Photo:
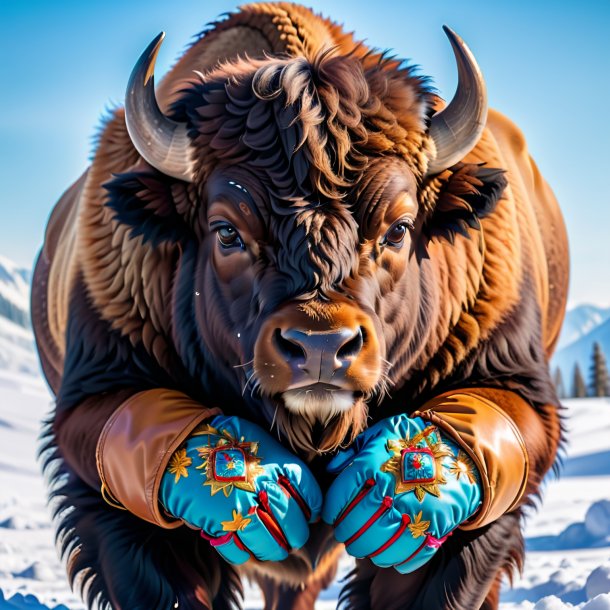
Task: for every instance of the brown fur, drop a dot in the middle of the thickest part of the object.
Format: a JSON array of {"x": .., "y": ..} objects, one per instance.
[{"x": 329, "y": 139}]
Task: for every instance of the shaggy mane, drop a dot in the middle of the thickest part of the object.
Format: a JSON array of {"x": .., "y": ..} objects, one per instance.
[{"x": 311, "y": 126}]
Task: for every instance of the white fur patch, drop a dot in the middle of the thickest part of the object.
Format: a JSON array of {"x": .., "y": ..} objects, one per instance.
[{"x": 320, "y": 406}]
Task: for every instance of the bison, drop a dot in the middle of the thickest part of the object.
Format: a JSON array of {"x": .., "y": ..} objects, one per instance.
[{"x": 294, "y": 252}]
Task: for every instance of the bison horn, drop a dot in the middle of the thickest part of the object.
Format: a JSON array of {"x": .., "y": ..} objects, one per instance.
[
  {"x": 457, "y": 128},
  {"x": 162, "y": 142}
]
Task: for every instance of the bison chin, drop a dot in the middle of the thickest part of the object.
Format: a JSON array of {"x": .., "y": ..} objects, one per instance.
[{"x": 321, "y": 424}]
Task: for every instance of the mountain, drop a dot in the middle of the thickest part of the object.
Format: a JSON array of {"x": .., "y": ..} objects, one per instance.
[
  {"x": 17, "y": 353},
  {"x": 14, "y": 293},
  {"x": 580, "y": 321},
  {"x": 580, "y": 352}
]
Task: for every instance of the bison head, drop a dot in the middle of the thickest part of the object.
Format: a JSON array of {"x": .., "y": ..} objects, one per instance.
[{"x": 325, "y": 252}]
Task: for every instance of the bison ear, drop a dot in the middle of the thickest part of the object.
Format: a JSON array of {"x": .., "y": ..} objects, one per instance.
[
  {"x": 150, "y": 202},
  {"x": 470, "y": 192}
]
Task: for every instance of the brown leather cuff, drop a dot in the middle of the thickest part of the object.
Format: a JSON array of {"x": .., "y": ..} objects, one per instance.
[
  {"x": 493, "y": 442},
  {"x": 137, "y": 443}
]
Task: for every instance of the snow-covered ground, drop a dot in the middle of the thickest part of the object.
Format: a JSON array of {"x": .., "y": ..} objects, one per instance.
[
  {"x": 28, "y": 560},
  {"x": 568, "y": 538},
  {"x": 568, "y": 563}
]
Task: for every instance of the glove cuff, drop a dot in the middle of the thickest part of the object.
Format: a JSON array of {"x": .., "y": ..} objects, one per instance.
[
  {"x": 136, "y": 444},
  {"x": 492, "y": 440}
]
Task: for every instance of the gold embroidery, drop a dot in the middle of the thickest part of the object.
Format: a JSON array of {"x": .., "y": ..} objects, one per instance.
[
  {"x": 178, "y": 465},
  {"x": 238, "y": 523},
  {"x": 394, "y": 464},
  {"x": 226, "y": 441},
  {"x": 463, "y": 466},
  {"x": 418, "y": 527},
  {"x": 204, "y": 429}
]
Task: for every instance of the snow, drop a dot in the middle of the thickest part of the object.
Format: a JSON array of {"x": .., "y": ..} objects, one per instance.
[
  {"x": 14, "y": 284},
  {"x": 17, "y": 353},
  {"x": 597, "y": 520},
  {"x": 579, "y": 321},
  {"x": 580, "y": 352},
  {"x": 28, "y": 560},
  {"x": 583, "y": 326},
  {"x": 598, "y": 582},
  {"x": 568, "y": 539},
  {"x": 602, "y": 602}
]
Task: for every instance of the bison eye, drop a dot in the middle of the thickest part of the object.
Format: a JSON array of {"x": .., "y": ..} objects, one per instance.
[
  {"x": 228, "y": 237},
  {"x": 396, "y": 233}
]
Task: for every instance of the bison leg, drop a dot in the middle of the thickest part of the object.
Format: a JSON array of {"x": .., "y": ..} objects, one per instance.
[
  {"x": 124, "y": 563},
  {"x": 463, "y": 575}
]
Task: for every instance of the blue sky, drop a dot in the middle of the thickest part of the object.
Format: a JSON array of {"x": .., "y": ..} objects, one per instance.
[{"x": 546, "y": 63}]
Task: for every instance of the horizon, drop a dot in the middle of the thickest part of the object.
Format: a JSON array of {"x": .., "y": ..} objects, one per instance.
[{"x": 69, "y": 63}]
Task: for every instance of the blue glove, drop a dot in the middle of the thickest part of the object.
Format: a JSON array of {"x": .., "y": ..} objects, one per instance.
[
  {"x": 402, "y": 489},
  {"x": 249, "y": 495}
]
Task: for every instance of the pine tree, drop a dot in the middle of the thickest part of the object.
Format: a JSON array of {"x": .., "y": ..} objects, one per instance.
[
  {"x": 558, "y": 381},
  {"x": 579, "y": 390},
  {"x": 598, "y": 372}
]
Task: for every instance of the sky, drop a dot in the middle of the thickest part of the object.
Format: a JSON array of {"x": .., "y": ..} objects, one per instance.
[{"x": 546, "y": 64}]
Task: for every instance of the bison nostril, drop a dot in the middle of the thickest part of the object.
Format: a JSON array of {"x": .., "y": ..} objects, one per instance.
[
  {"x": 291, "y": 350},
  {"x": 352, "y": 347}
]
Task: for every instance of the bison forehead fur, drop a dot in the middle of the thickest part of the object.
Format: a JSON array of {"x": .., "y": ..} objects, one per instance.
[{"x": 310, "y": 207}]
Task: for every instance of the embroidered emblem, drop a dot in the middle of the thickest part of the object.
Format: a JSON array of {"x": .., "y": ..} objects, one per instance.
[
  {"x": 417, "y": 527},
  {"x": 462, "y": 466},
  {"x": 178, "y": 465},
  {"x": 416, "y": 463},
  {"x": 228, "y": 463},
  {"x": 238, "y": 523}
]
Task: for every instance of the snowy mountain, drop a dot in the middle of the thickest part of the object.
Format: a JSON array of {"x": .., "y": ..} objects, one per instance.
[
  {"x": 17, "y": 352},
  {"x": 14, "y": 293},
  {"x": 580, "y": 352},
  {"x": 584, "y": 325},
  {"x": 580, "y": 321}
]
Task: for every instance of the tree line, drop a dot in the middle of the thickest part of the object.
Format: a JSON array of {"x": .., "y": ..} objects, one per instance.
[{"x": 598, "y": 379}]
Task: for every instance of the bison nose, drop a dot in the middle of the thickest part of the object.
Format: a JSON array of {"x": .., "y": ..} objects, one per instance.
[{"x": 319, "y": 354}]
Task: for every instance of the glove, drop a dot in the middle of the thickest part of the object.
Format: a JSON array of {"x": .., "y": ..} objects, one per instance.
[
  {"x": 249, "y": 495},
  {"x": 402, "y": 489}
]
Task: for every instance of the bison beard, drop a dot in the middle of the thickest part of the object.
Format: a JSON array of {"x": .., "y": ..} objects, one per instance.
[
  {"x": 314, "y": 155},
  {"x": 320, "y": 435}
]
